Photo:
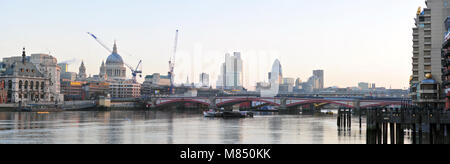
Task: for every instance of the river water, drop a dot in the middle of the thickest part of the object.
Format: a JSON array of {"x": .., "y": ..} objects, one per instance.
[{"x": 172, "y": 127}]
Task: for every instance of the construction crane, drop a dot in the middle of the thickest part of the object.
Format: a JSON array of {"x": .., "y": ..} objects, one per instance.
[
  {"x": 134, "y": 72},
  {"x": 172, "y": 64},
  {"x": 100, "y": 42}
]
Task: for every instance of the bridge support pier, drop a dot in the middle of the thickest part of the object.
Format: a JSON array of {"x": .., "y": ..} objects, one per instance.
[
  {"x": 283, "y": 109},
  {"x": 212, "y": 103}
]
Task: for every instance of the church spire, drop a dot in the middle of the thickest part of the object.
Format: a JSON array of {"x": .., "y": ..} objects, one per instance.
[
  {"x": 115, "y": 48},
  {"x": 82, "y": 71},
  {"x": 23, "y": 55}
]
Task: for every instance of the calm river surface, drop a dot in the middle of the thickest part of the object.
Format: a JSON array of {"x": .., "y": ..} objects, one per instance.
[{"x": 159, "y": 127}]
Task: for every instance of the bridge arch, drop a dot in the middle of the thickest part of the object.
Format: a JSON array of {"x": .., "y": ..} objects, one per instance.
[
  {"x": 242, "y": 100},
  {"x": 167, "y": 102},
  {"x": 318, "y": 101}
]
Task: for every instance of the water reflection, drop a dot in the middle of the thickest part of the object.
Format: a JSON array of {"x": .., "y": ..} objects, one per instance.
[{"x": 170, "y": 127}]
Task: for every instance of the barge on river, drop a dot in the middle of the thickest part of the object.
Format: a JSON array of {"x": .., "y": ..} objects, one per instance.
[{"x": 228, "y": 114}]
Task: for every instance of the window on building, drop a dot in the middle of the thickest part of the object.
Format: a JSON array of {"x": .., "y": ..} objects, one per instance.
[
  {"x": 428, "y": 67},
  {"x": 20, "y": 84},
  {"x": 26, "y": 85}
]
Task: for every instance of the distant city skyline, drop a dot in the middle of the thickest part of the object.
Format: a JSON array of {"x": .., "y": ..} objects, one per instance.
[{"x": 352, "y": 41}]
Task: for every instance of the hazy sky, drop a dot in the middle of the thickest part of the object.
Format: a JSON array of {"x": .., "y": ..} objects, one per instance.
[{"x": 352, "y": 40}]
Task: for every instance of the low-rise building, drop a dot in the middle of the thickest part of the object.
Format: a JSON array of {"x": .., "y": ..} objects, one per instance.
[
  {"x": 27, "y": 83},
  {"x": 72, "y": 90},
  {"x": 156, "y": 85},
  {"x": 95, "y": 90},
  {"x": 157, "y": 80},
  {"x": 125, "y": 89}
]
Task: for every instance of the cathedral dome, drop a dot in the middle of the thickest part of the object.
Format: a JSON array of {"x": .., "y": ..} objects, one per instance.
[{"x": 114, "y": 58}]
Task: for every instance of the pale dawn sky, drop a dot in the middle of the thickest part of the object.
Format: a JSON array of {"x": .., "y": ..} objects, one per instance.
[{"x": 352, "y": 40}]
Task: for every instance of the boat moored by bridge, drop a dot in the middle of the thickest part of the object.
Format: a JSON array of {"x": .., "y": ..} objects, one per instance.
[{"x": 228, "y": 114}]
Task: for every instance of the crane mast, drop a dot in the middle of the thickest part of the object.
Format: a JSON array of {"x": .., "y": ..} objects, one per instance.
[{"x": 172, "y": 64}]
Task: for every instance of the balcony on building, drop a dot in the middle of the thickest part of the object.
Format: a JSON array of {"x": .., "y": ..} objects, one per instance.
[{"x": 428, "y": 91}]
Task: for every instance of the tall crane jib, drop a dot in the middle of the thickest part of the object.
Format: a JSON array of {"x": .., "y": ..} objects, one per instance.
[
  {"x": 172, "y": 64},
  {"x": 134, "y": 71}
]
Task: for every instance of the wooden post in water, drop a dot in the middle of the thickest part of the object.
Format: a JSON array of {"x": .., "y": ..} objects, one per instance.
[
  {"x": 370, "y": 135},
  {"x": 349, "y": 114},
  {"x": 385, "y": 133},
  {"x": 420, "y": 127},
  {"x": 379, "y": 127},
  {"x": 413, "y": 127},
  {"x": 399, "y": 133},
  {"x": 339, "y": 119},
  {"x": 360, "y": 118},
  {"x": 392, "y": 133},
  {"x": 345, "y": 120}
]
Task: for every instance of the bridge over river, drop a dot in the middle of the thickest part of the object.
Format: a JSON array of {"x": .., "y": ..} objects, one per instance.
[{"x": 277, "y": 102}]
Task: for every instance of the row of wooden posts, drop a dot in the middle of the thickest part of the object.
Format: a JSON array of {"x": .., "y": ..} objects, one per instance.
[
  {"x": 391, "y": 125},
  {"x": 423, "y": 125},
  {"x": 344, "y": 119}
]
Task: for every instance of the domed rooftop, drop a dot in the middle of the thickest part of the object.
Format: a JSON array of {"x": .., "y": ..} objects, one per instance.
[{"x": 114, "y": 58}]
